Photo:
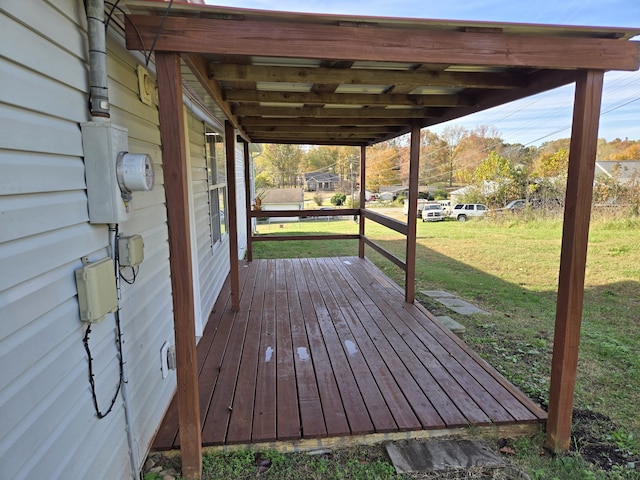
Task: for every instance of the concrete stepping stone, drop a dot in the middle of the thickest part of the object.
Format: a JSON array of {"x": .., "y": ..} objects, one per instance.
[
  {"x": 410, "y": 456},
  {"x": 453, "y": 303},
  {"x": 452, "y": 325}
]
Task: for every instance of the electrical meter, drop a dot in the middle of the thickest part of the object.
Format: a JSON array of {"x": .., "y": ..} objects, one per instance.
[{"x": 135, "y": 172}]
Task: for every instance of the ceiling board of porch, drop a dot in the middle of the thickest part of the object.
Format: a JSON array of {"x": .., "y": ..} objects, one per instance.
[{"x": 328, "y": 79}]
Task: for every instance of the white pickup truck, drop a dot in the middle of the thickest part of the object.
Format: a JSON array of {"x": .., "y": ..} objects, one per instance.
[{"x": 421, "y": 203}]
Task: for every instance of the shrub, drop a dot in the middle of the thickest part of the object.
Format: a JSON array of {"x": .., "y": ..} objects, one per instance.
[
  {"x": 338, "y": 199},
  {"x": 318, "y": 198}
]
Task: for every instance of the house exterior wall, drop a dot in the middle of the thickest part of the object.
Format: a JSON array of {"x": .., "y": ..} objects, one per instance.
[{"x": 50, "y": 429}]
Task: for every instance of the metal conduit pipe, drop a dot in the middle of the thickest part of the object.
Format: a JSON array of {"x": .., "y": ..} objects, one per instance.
[
  {"x": 131, "y": 437},
  {"x": 98, "y": 91}
]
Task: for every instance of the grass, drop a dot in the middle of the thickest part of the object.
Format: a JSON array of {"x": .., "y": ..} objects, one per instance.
[{"x": 510, "y": 268}]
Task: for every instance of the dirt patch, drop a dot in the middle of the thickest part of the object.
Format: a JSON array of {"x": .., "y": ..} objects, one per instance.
[{"x": 596, "y": 441}]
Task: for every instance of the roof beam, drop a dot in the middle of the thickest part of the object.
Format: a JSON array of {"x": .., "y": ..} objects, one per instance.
[
  {"x": 198, "y": 66},
  {"x": 349, "y": 98},
  {"x": 312, "y": 141},
  {"x": 316, "y": 135},
  {"x": 539, "y": 82},
  {"x": 322, "y": 113},
  {"x": 358, "y": 76},
  {"x": 311, "y": 129},
  {"x": 252, "y": 121},
  {"x": 274, "y": 38}
]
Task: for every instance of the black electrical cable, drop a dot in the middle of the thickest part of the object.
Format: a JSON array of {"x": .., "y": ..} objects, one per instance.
[
  {"x": 164, "y": 17},
  {"x": 99, "y": 413},
  {"x": 114, "y": 6},
  {"x": 134, "y": 274}
]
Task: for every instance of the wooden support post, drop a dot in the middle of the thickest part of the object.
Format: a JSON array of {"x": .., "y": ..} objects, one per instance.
[
  {"x": 582, "y": 157},
  {"x": 363, "y": 189},
  {"x": 248, "y": 199},
  {"x": 174, "y": 158},
  {"x": 232, "y": 213},
  {"x": 414, "y": 167}
]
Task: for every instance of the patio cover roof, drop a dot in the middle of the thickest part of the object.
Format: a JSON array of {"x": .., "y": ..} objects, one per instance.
[
  {"x": 326, "y": 79},
  {"x": 356, "y": 80}
]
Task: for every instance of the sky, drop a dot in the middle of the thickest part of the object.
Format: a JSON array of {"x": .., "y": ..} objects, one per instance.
[{"x": 534, "y": 120}]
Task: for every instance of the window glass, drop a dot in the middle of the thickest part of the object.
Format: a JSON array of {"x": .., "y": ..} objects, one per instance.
[{"x": 216, "y": 183}]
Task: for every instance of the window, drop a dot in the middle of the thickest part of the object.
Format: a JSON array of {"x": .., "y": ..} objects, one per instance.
[{"x": 217, "y": 184}]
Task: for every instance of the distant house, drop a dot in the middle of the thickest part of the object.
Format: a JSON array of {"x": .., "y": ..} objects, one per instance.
[
  {"x": 321, "y": 181},
  {"x": 487, "y": 188},
  {"x": 282, "y": 199},
  {"x": 623, "y": 171}
]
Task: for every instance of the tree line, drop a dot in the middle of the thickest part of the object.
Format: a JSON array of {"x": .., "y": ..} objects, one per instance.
[{"x": 453, "y": 158}]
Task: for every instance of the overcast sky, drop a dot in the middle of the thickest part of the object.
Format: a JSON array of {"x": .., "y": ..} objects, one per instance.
[{"x": 533, "y": 120}]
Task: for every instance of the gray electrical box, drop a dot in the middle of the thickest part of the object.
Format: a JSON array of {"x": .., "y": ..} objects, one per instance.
[
  {"x": 97, "y": 293},
  {"x": 102, "y": 143},
  {"x": 130, "y": 251}
]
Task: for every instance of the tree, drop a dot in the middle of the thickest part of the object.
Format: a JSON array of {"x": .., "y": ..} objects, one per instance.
[
  {"x": 507, "y": 180},
  {"x": 452, "y": 135},
  {"x": 263, "y": 180},
  {"x": 320, "y": 159},
  {"x": 632, "y": 152},
  {"x": 553, "y": 164},
  {"x": 434, "y": 158},
  {"x": 282, "y": 162},
  {"x": 473, "y": 148},
  {"x": 382, "y": 167}
]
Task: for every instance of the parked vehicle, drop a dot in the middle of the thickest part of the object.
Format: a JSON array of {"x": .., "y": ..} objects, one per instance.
[
  {"x": 421, "y": 203},
  {"x": 446, "y": 206},
  {"x": 514, "y": 206},
  {"x": 463, "y": 211},
  {"x": 433, "y": 212}
]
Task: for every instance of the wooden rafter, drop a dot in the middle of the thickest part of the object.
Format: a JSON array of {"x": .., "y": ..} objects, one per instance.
[
  {"x": 198, "y": 65},
  {"x": 313, "y": 98},
  {"x": 359, "y": 76},
  {"x": 321, "y": 112},
  {"x": 251, "y": 121}
]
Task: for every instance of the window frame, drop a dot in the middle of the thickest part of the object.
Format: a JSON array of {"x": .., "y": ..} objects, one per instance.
[{"x": 216, "y": 177}]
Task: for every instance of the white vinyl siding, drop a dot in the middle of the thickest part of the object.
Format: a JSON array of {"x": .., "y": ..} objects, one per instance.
[
  {"x": 47, "y": 417},
  {"x": 49, "y": 426},
  {"x": 213, "y": 257}
]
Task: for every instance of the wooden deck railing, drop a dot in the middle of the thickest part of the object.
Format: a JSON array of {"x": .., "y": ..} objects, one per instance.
[{"x": 391, "y": 223}]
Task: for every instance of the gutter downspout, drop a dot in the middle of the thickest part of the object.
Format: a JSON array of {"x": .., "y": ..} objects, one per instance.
[{"x": 99, "y": 108}]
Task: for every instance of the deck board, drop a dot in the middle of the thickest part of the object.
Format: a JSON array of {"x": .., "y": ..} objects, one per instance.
[
  {"x": 325, "y": 348},
  {"x": 336, "y": 419},
  {"x": 264, "y": 417}
]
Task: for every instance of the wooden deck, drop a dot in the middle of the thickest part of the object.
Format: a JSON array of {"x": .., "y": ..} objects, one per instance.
[{"x": 324, "y": 348}]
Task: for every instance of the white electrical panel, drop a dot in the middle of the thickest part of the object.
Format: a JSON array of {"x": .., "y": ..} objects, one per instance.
[
  {"x": 102, "y": 143},
  {"x": 97, "y": 294},
  {"x": 130, "y": 251}
]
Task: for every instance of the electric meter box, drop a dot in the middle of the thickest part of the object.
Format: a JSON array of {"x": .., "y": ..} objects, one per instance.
[
  {"x": 97, "y": 294},
  {"x": 130, "y": 251},
  {"x": 102, "y": 143}
]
